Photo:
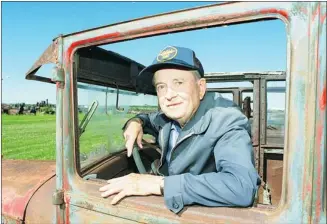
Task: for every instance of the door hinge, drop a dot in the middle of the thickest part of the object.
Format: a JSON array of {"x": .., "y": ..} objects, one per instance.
[{"x": 58, "y": 197}]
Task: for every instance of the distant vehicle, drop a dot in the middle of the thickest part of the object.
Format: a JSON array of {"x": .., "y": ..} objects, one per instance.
[{"x": 292, "y": 162}]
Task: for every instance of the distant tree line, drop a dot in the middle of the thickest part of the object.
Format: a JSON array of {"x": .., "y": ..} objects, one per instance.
[{"x": 42, "y": 107}]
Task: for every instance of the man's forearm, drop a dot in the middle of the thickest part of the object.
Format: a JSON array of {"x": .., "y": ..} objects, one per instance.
[{"x": 210, "y": 189}]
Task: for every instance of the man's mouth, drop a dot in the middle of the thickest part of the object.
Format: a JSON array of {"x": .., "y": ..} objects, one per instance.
[{"x": 173, "y": 104}]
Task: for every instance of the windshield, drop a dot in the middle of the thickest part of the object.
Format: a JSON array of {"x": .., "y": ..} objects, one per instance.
[{"x": 102, "y": 135}]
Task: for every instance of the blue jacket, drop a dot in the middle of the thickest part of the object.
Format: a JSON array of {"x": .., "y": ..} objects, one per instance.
[{"x": 212, "y": 163}]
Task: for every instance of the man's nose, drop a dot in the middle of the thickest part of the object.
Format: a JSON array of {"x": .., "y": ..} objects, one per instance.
[{"x": 170, "y": 94}]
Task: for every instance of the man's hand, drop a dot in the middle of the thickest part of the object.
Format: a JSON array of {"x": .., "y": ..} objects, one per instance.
[
  {"x": 132, "y": 184},
  {"x": 134, "y": 131}
]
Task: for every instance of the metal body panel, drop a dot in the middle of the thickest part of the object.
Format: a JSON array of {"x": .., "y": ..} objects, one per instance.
[
  {"x": 40, "y": 208},
  {"x": 151, "y": 209},
  {"x": 84, "y": 215},
  {"x": 319, "y": 155},
  {"x": 60, "y": 85},
  {"x": 49, "y": 56},
  {"x": 17, "y": 194}
]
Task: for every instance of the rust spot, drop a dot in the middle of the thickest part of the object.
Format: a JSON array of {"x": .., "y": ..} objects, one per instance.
[
  {"x": 322, "y": 102},
  {"x": 87, "y": 205},
  {"x": 67, "y": 202},
  {"x": 322, "y": 18},
  {"x": 32, "y": 175}
]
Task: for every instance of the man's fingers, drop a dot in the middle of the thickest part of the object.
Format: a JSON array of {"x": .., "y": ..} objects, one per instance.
[
  {"x": 115, "y": 180},
  {"x": 111, "y": 192},
  {"x": 104, "y": 188},
  {"x": 118, "y": 197},
  {"x": 129, "y": 145},
  {"x": 139, "y": 140}
]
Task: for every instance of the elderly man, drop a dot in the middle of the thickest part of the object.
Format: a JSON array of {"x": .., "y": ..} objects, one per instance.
[{"x": 207, "y": 155}]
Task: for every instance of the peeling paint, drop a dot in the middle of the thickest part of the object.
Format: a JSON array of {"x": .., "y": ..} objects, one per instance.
[
  {"x": 90, "y": 40},
  {"x": 322, "y": 101},
  {"x": 284, "y": 13}
]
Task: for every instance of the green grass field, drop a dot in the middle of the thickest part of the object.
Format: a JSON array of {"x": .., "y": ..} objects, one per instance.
[{"x": 34, "y": 137}]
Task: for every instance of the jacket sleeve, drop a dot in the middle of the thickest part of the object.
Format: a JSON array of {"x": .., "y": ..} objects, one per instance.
[
  {"x": 236, "y": 181},
  {"x": 149, "y": 123}
]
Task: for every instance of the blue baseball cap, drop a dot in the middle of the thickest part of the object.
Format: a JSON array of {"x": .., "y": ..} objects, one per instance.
[{"x": 174, "y": 57}]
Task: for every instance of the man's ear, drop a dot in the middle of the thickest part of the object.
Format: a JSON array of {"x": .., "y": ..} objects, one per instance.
[{"x": 202, "y": 87}]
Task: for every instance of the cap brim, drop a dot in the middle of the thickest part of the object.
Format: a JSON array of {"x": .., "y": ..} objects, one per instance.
[
  {"x": 150, "y": 70},
  {"x": 144, "y": 78}
]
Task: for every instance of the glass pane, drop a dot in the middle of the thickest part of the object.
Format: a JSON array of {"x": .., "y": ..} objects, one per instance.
[
  {"x": 275, "y": 112},
  {"x": 227, "y": 95},
  {"x": 103, "y": 134}
]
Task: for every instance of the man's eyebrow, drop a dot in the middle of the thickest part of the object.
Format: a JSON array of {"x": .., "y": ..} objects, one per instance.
[
  {"x": 176, "y": 79},
  {"x": 179, "y": 79},
  {"x": 158, "y": 83}
]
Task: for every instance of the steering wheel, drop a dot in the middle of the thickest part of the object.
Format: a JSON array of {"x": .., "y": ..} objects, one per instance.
[{"x": 137, "y": 159}]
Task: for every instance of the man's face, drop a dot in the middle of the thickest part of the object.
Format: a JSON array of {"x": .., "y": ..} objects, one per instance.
[{"x": 179, "y": 93}]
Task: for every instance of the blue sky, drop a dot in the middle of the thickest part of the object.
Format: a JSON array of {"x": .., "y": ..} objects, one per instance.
[{"x": 29, "y": 27}]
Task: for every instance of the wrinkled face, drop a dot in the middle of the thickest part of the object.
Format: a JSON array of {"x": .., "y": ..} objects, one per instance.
[{"x": 179, "y": 93}]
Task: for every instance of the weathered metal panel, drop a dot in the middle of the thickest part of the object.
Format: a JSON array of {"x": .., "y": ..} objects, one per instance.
[
  {"x": 48, "y": 56},
  {"x": 5, "y": 219},
  {"x": 273, "y": 170},
  {"x": 60, "y": 85},
  {"x": 300, "y": 120},
  {"x": 40, "y": 208},
  {"x": 319, "y": 151},
  {"x": 256, "y": 123},
  {"x": 31, "y": 175},
  {"x": 151, "y": 209},
  {"x": 81, "y": 215}
]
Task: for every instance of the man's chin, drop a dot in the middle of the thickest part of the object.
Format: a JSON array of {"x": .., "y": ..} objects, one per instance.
[{"x": 174, "y": 116}]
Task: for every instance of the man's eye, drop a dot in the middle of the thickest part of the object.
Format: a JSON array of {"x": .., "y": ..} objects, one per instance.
[
  {"x": 178, "y": 83},
  {"x": 160, "y": 87}
]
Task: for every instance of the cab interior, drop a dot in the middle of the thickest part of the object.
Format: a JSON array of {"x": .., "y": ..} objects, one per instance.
[{"x": 97, "y": 66}]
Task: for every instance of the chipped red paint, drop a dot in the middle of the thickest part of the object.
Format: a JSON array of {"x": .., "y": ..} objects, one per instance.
[
  {"x": 57, "y": 85},
  {"x": 316, "y": 12},
  {"x": 319, "y": 171},
  {"x": 16, "y": 207},
  {"x": 322, "y": 101},
  {"x": 323, "y": 17},
  {"x": 275, "y": 11},
  {"x": 33, "y": 174},
  {"x": 67, "y": 203},
  {"x": 58, "y": 216},
  {"x": 90, "y": 40}
]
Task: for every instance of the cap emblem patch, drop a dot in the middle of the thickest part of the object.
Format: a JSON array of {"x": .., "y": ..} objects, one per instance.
[{"x": 167, "y": 54}]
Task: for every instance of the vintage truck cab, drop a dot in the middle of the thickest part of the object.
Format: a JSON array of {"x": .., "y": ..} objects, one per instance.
[{"x": 94, "y": 85}]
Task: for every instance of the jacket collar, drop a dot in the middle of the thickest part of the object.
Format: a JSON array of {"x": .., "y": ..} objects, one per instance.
[{"x": 197, "y": 124}]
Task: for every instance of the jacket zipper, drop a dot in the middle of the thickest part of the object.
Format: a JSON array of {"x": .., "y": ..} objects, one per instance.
[
  {"x": 162, "y": 152},
  {"x": 172, "y": 150}
]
